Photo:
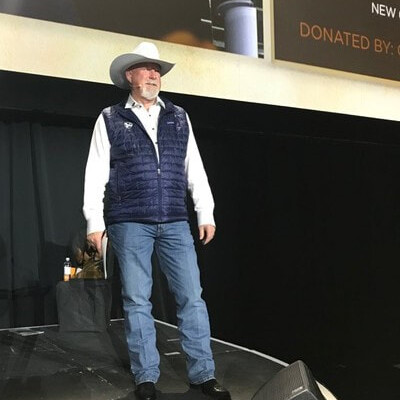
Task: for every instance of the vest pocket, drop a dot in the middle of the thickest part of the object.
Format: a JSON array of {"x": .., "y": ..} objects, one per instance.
[{"x": 114, "y": 184}]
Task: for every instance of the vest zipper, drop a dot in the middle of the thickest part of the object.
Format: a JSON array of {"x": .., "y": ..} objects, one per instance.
[
  {"x": 159, "y": 194},
  {"x": 159, "y": 167},
  {"x": 158, "y": 161}
]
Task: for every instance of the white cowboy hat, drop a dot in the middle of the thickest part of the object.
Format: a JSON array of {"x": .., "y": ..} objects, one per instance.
[{"x": 145, "y": 52}]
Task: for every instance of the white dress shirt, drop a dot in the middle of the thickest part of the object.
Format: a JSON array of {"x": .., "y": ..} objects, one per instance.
[{"x": 98, "y": 168}]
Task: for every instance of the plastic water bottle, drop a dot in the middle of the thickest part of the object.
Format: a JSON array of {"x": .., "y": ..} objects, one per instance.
[{"x": 67, "y": 269}]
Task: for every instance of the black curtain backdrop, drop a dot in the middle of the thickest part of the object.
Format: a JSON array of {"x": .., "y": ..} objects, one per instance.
[
  {"x": 41, "y": 171},
  {"x": 305, "y": 262}
]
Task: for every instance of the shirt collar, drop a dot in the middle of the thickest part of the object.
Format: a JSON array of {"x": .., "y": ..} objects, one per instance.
[{"x": 131, "y": 102}]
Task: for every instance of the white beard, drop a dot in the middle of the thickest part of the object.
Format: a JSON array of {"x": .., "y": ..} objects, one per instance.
[{"x": 149, "y": 92}]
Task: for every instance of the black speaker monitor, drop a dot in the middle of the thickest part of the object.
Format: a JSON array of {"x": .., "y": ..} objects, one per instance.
[{"x": 294, "y": 382}]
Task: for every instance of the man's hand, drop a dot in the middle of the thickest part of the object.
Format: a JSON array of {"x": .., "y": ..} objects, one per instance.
[
  {"x": 206, "y": 233},
  {"x": 94, "y": 240}
]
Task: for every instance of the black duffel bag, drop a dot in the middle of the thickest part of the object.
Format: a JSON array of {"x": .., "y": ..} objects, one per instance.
[{"x": 84, "y": 305}]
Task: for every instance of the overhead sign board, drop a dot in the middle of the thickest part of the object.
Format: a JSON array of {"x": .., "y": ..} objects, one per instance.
[{"x": 358, "y": 36}]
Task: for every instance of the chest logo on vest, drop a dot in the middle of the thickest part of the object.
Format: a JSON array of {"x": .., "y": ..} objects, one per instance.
[{"x": 128, "y": 125}]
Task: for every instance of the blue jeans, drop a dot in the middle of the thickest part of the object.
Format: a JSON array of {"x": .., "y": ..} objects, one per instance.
[{"x": 133, "y": 244}]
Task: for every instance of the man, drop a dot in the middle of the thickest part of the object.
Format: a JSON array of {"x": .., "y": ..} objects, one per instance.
[{"x": 142, "y": 160}]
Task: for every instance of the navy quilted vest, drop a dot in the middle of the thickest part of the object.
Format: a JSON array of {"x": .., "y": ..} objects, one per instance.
[{"x": 141, "y": 188}]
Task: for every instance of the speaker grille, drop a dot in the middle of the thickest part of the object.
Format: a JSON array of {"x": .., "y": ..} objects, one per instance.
[{"x": 295, "y": 382}]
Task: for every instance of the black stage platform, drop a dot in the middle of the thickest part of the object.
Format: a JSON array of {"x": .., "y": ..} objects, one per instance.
[{"x": 41, "y": 363}]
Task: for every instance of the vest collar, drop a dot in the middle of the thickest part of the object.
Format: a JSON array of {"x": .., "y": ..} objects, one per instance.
[
  {"x": 131, "y": 102},
  {"x": 130, "y": 116}
]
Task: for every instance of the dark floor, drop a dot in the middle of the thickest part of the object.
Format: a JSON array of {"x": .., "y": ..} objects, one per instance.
[
  {"x": 362, "y": 380},
  {"x": 43, "y": 363}
]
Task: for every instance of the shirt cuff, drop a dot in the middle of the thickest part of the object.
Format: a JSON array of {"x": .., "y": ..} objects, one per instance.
[
  {"x": 205, "y": 218},
  {"x": 95, "y": 225}
]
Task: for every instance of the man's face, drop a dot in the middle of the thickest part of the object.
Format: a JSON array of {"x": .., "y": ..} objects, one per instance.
[{"x": 145, "y": 80}]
